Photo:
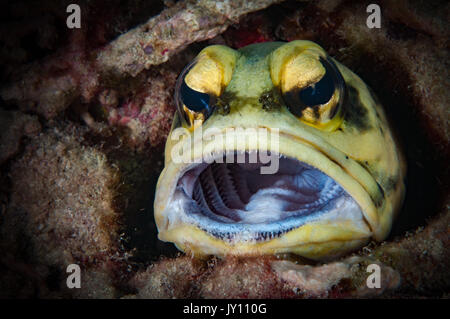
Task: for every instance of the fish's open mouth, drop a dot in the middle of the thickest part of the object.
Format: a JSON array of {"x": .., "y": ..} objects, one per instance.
[{"x": 233, "y": 200}]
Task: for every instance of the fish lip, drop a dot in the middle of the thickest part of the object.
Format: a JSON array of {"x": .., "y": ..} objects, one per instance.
[{"x": 244, "y": 232}]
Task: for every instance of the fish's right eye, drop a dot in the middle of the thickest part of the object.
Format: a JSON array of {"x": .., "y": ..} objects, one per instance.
[
  {"x": 192, "y": 104},
  {"x": 202, "y": 82}
]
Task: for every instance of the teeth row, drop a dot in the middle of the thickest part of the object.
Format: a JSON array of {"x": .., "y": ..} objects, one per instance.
[
  {"x": 262, "y": 236},
  {"x": 270, "y": 235}
]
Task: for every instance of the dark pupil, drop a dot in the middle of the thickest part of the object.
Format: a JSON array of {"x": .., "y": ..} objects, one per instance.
[
  {"x": 319, "y": 93},
  {"x": 194, "y": 100}
]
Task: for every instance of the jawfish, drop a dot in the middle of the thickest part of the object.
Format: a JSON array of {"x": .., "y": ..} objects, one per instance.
[{"x": 277, "y": 148}]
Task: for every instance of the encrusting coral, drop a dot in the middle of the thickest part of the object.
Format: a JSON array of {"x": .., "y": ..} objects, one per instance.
[{"x": 84, "y": 124}]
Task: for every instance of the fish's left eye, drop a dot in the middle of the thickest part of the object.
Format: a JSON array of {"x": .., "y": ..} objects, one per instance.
[
  {"x": 192, "y": 105},
  {"x": 320, "y": 92},
  {"x": 319, "y": 102}
]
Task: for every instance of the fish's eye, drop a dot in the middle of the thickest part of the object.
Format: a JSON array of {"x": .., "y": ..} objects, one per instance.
[
  {"x": 202, "y": 82},
  {"x": 192, "y": 104},
  {"x": 317, "y": 98},
  {"x": 318, "y": 93},
  {"x": 194, "y": 100}
]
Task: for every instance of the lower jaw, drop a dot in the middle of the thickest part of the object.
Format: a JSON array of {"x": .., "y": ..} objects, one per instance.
[{"x": 313, "y": 241}]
